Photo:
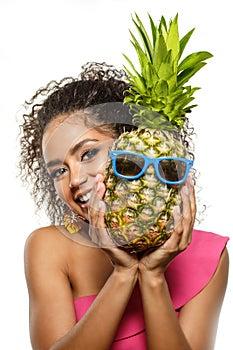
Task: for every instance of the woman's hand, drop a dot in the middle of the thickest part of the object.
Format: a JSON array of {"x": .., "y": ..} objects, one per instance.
[
  {"x": 121, "y": 260},
  {"x": 158, "y": 260}
]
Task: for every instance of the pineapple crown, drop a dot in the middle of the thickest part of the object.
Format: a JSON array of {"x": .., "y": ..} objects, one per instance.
[{"x": 158, "y": 95}]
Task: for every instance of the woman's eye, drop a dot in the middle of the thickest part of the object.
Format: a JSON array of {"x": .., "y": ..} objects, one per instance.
[
  {"x": 57, "y": 173},
  {"x": 89, "y": 154}
]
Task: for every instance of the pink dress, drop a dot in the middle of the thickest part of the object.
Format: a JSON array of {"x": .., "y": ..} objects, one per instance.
[{"x": 186, "y": 276}]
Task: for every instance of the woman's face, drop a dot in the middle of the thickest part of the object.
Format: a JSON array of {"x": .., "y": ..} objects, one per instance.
[{"x": 74, "y": 154}]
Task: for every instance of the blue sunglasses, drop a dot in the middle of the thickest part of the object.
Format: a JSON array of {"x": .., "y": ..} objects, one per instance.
[{"x": 131, "y": 166}]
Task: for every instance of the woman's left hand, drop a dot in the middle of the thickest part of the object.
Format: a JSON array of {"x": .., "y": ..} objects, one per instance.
[
  {"x": 158, "y": 260},
  {"x": 120, "y": 259}
]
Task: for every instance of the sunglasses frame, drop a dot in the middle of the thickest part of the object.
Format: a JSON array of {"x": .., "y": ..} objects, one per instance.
[{"x": 147, "y": 161}]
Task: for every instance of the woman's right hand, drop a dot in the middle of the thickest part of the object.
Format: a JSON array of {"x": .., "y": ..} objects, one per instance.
[
  {"x": 158, "y": 260},
  {"x": 120, "y": 259}
]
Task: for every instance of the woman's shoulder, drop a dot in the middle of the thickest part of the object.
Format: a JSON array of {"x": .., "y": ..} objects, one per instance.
[
  {"x": 47, "y": 243},
  {"x": 44, "y": 236},
  {"x": 54, "y": 242}
]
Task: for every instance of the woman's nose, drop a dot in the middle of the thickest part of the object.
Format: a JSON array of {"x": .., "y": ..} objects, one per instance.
[{"x": 77, "y": 176}]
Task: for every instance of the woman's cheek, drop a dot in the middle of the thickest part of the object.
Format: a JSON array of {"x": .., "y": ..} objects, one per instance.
[
  {"x": 62, "y": 190},
  {"x": 102, "y": 162}
]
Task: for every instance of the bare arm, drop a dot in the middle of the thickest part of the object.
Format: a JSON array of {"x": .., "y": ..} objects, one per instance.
[
  {"x": 52, "y": 317},
  {"x": 199, "y": 318},
  {"x": 96, "y": 330},
  {"x": 196, "y": 326},
  {"x": 162, "y": 327},
  {"x": 197, "y": 323}
]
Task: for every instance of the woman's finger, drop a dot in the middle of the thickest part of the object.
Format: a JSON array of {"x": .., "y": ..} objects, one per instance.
[
  {"x": 188, "y": 200},
  {"x": 192, "y": 198},
  {"x": 97, "y": 212},
  {"x": 96, "y": 196},
  {"x": 174, "y": 241}
]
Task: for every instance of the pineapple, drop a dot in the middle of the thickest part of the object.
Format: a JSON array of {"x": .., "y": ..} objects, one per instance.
[{"x": 140, "y": 210}]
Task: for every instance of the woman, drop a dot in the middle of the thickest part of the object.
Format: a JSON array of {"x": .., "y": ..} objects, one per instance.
[{"x": 82, "y": 297}]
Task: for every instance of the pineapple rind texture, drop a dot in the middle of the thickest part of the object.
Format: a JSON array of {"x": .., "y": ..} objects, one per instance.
[{"x": 140, "y": 212}]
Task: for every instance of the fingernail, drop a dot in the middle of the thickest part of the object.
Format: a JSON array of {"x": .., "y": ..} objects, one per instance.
[
  {"x": 98, "y": 186},
  {"x": 176, "y": 209},
  {"x": 101, "y": 206},
  {"x": 186, "y": 190},
  {"x": 190, "y": 181},
  {"x": 97, "y": 178}
]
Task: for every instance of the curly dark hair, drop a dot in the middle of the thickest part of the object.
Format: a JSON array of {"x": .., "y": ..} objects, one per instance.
[{"x": 96, "y": 86}]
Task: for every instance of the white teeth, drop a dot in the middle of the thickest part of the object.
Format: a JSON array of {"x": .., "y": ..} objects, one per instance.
[{"x": 85, "y": 197}]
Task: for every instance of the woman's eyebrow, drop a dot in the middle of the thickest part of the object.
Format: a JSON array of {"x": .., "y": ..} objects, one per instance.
[
  {"x": 79, "y": 145},
  {"x": 53, "y": 163},
  {"x": 72, "y": 151}
]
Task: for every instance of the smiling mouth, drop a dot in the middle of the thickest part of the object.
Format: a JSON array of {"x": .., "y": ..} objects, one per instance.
[{"x": 84, "y": 199}]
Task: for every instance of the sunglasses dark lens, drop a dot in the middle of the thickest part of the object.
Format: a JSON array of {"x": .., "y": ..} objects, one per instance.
[
  {"x": 172, "y": 170},
  {"x": 129, "y": 165}
]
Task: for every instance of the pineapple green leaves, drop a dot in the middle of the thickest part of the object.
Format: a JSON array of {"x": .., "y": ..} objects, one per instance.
[{"x": 160, "y": 83}]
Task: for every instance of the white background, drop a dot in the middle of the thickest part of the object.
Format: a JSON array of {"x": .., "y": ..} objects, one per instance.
[{"x": 50, "y": 39}]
